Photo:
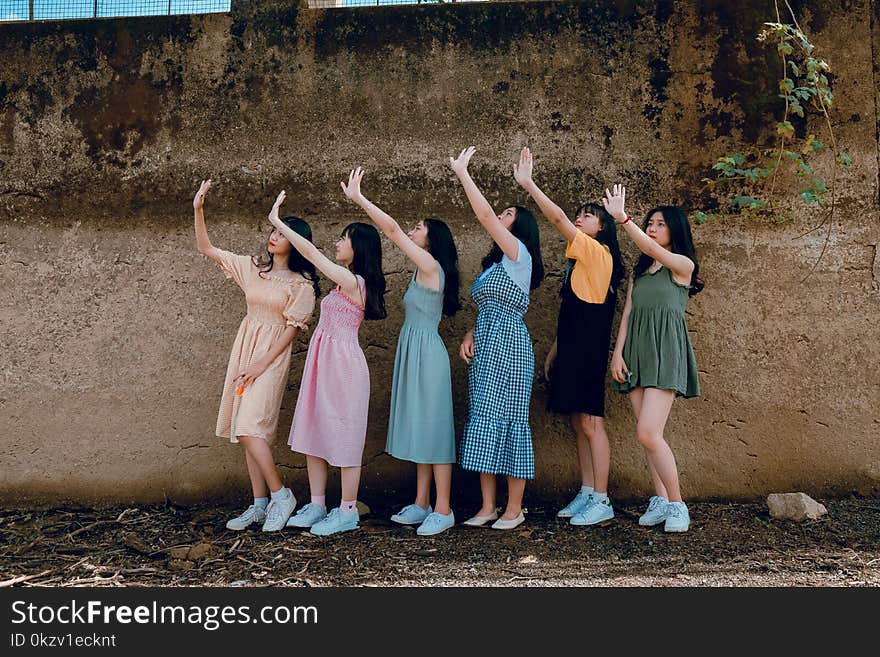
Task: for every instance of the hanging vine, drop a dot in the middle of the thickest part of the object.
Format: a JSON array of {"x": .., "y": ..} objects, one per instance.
[{"x": 750, "y": 179}]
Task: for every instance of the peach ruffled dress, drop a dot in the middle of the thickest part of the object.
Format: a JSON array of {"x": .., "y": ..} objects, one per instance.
[{"x": 273, "y": 303}]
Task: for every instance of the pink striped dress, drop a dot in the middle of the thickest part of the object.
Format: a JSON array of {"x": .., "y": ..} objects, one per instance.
[{"x": 330, "y": 420}]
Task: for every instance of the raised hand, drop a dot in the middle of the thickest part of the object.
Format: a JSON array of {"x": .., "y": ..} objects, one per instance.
[
  {"x": 522, "y": 172},
  {"x": 199, "y": 199},
  {"x": 273, "y": 213},
  {"x": 353, "y": 189},
  {"x": 614, "y": 202},
  {"x": 460, "y": 164}
]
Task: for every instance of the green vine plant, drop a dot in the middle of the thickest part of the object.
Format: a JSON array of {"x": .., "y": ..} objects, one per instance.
[{"x": 750, "y": 179}]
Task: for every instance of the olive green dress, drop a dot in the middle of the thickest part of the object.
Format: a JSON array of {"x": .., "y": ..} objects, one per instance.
[{"x": 658, "y": 351}]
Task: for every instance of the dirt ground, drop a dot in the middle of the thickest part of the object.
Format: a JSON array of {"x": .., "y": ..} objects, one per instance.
[{"x": 729, "y": 544}]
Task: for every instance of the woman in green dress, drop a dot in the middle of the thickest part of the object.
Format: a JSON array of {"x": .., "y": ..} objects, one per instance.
[
  {"x": 420, "y": 423},
  {"x": 653, "y": 359}
]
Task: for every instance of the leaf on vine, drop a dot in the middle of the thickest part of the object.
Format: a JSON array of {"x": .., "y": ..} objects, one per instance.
[
  {"x": 785, "y": 128},
  {"x": 748, "y": 202}
]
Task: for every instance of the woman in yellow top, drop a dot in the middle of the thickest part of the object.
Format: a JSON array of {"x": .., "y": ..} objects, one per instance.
[{"x": 578, "y": 361}]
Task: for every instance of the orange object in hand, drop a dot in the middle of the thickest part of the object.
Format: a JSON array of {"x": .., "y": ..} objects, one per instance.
[{"x": 239, "y": 390}]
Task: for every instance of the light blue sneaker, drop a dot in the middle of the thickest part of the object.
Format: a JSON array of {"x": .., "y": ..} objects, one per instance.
[
  {"x": 677, "y": 517},
  {"x": 656, "y": 512},
  {"x": 412, "y": 514},
  {"x": 597, "y": 513},
  {"x": 253, "y": 514},
  {"x": 278, "y": 513},
  {"x": 337, "y": 521},
  {"x": 307, "y": 516},
  {"x": 436, "y": 523},
  {"x": 578, "y": 504}
]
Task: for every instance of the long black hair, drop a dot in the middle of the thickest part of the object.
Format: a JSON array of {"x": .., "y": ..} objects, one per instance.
[
  {"x": 367, "y": 262},
  {"x": 608, "y": 236},
  {"x": 525, "y": 229},
  {"x": 681, "y": 242},
  {"x": 442, "y": 247},
  {"x": 295, "y": 261}
]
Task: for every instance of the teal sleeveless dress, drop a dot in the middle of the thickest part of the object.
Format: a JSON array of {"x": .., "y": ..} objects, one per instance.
[
  {"x": 420, "y": 424},
  {"x": 658, "y": 351}
]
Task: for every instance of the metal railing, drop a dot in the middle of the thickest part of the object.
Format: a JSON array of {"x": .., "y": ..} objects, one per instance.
[
  {"x": 45, "y": 10},
  {"x": 328, "y": 4}
]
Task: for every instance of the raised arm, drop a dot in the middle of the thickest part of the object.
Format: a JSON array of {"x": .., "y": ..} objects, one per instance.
[
  {"x": 522, "y": 172},
  {"x": 422, "y": 259},
  {"x": 681, "y": 266},
  {"x": 485, "y": 214},
  {"x": 203, "y": 242},
  {"x": 340, "y": 275}
]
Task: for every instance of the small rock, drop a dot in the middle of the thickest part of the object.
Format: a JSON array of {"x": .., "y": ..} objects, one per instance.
[
  {"x": 179, "y": 552},
  {"x": 201, "y": 551},
  {"x": 530, "y": 558},
  {"x": 239, "y": 582},
  {"x": 135, "y": 543},
  {"x": 794, "y": 506},
  {"x": 362, "y": 508}
]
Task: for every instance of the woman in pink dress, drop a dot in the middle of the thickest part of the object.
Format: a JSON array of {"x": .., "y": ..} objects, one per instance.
[{"x": 330, "y": 421}]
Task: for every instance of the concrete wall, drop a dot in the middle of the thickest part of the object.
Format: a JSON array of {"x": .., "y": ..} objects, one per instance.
[{"x": 115, "y": 333}]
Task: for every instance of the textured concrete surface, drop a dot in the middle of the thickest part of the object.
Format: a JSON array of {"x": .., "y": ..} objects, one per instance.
[{"x": 115, "y": 333}]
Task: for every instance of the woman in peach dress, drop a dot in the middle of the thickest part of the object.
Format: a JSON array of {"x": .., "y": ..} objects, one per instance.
[{"x": 280, "y": 291}]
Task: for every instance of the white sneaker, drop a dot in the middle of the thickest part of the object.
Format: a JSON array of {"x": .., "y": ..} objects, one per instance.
[
  {"x": 656, "y": 512},
  {"x": 251, "y": 515},
  {"x": 677, "y": 517},
  {"x": 278, "y": 512},
  {"x": 597, "y": 513},
  {"x": 580, "y": 502}
]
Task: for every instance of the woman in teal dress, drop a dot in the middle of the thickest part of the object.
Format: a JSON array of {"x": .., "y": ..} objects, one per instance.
[
  {"x": 420, "y": 424},
  {"x": 653, "y": 359}
]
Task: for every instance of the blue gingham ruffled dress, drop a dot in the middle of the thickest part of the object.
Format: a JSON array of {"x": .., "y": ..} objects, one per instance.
[{"x": 497, "y": 437}]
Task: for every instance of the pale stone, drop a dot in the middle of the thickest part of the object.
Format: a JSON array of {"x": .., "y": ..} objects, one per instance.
[{"x": 794, "y": 506}]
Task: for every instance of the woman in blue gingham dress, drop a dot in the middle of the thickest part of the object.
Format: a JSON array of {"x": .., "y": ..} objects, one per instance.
[{"x": 497, "y": 439}]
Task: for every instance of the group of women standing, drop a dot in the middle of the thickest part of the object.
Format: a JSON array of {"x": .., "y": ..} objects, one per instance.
[{"x": 652, "y": 360}]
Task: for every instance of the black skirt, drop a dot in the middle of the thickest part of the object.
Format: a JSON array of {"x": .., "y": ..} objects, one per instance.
[{"x": 583, "y": 336}]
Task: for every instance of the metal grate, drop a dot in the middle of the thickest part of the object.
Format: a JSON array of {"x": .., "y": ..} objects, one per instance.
[
  {"x": 328, "y": 4},
  {"x": 43, "y": 10}
]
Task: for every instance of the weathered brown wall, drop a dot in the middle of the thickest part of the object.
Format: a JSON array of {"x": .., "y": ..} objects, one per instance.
[{"x": 115, "y": 332}]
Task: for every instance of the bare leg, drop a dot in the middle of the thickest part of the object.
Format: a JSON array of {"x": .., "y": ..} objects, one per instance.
[
  {"x": 259, "y": 452},
  {"x": 515, "y": 489},
  {"x": 351, "y": 479},
  {"x": 317, "y": 468},
  {"x": 636, "y": 397},
  {"x": 487, "y": 489},
  {"x": 423, "y": 484},
  {"x": 593, "y": 428},
  {"x": 656, "y": 405},
  {"x": 443, "y": 483},
  {"x": 258, "y": 483},
  {"x": 583, "y": 450}
]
